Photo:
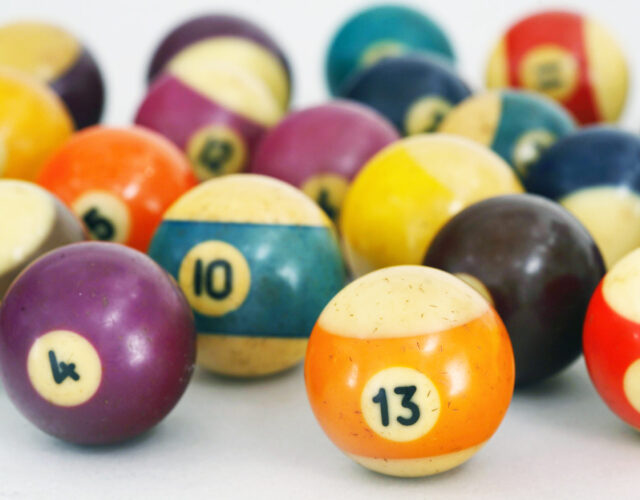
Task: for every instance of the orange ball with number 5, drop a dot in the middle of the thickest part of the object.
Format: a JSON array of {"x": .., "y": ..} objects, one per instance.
[
  {"x": 118, "y": 181},
  {"x": 409, "y": 371}
]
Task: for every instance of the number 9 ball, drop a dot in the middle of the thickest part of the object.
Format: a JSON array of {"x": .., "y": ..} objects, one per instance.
[{"x": 409, "y": 371}]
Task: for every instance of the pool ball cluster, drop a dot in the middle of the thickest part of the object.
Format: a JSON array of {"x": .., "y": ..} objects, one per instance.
[{"x": 424, "y": 246}]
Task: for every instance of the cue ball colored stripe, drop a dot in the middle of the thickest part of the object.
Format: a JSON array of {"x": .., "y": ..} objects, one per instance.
[
  {"x": 34, "y": 121},
  {"x": 611, "y": 339},
  {"x": 595, "y": 174},
  {"x": 415, "y": 92},
  {"x": 394, "y": 374},
  {"x": 520, "y": 126},
  {"x": 379, "y": 32},
  {"x": 50, "y": 225},
  {"x": 405, "y": 193},
  {"x": 257, "y": 260},
  {"x": 568, "y": 57}
]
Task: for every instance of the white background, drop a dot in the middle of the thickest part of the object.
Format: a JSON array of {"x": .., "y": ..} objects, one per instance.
[{"x": 258, "y": 439}]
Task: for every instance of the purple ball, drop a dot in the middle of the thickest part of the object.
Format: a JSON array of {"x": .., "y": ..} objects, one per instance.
[
  {"x": 208, "y": 26},
  {"x": 97, "y": 343},
  {"x": 321, "y": 149}
]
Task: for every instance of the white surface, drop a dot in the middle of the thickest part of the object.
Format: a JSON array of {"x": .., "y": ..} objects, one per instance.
[{"x": 235, "y": 439}]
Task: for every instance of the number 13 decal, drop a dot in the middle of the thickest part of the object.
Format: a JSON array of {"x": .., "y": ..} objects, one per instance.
[{"x": 407, "y": 393}]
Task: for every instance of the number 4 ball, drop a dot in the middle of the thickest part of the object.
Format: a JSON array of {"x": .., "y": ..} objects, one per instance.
[
  {"x": 97, "y": 344},
  {"x": 409, "y": 371},
  {"x": 612, "y": 339}
]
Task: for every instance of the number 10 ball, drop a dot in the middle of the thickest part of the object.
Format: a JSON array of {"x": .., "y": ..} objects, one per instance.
[
  {"x": 409, "y": 371},
  {"x": 257, "y": 260}
]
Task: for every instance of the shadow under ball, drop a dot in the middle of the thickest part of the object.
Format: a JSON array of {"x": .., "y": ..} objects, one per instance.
[{"x": 538, "y": 265}]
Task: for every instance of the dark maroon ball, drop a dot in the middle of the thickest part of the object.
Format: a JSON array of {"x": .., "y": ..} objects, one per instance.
[
  {"x": 540, "y": 267},
  {"x": 97, "y": 343},
  {"x": 208, "y": 26},
  {"x": 82, "y": 90}
]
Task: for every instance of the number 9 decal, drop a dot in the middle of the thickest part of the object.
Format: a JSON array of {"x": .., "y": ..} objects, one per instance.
[
  {"x": 105, "y": 216},
  {"x": 400, "y": 404},
  {"x": 215, "y": 277}
]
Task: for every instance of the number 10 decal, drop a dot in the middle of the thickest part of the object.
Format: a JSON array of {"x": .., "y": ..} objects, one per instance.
[
  {"x": 215, "y": 277},
  {"x": 400, "y": 404}
]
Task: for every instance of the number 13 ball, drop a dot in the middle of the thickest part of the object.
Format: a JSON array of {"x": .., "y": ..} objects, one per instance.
[
  {"x": 409, "y": 371},
  {"x": 257, "y": 260}
]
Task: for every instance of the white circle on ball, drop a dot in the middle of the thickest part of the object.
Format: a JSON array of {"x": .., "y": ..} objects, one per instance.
[
  {"x": 400, "y": 404},
  {"x": 631, "y": 385}
]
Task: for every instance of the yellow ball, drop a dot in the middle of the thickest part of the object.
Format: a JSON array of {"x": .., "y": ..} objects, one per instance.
[
  {"x": 409, "y": 190},
  {"x": 33, "y": 124}
]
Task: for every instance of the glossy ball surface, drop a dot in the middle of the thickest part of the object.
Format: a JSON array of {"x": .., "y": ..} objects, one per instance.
[
  {"x": 50, "y": 225},
  {"x": 34, "y": 121},
  {"x": 409, "y": 371},
  {"x": 409, "y": 190},
  {"x": 595, "y": 174},
  {"x": 414, "y": 92},
  {"x": 211, "y": 26},
  {"x": 257, "y": 260},
  {"x": 320, "y": 149},
  {"x": 55, "y": 57},
  {"x": 519, "y": 126},
  {"x": 612, "y": 339},
  {"x": 215, "y": 112},
  {"x": 97, "y": 344},
  {"x": 538, "y": 266},
  {"x": 118, "y": 182},
  {"x": 568, "y": 57},
  {"x": 379, "y": 32}
]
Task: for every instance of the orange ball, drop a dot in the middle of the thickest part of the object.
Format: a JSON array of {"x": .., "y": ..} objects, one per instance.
[
  {"x": 118, "y": 181},
  {"x": 409, "y": 371}
]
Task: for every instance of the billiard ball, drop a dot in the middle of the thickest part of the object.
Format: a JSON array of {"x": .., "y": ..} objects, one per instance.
[
  {"x": 216, "y": 113},
  {"x": 568, "y": 57},
  {"x": 56, "y": 57},
  {"x": 241, "y": 53},
  {"x": 539, "y": 267},
  {"x": 612, "y": 339},
  {"x": 320, "y": 149},
  {"x": 409, "y": 371},
  {"x": 407, "y": 192},
  {"x": 257, "y": 260},
  {"x": 206, "y": 27},
  {"x": 34, "y": 123},
  {"x": 118, "y": 182},
  {"x": 595, "y": 174},
  {"x": 414, "y": 92},
  {"x": 518, "y": 125},
  {"x": 97, "y": 343},
  {"x": 50, "y": 225},
  {"x": 379, "y": 32}
]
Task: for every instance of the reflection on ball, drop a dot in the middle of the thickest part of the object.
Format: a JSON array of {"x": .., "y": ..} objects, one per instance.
[
  {"x": 257, "y": 260},
  {"x": 409, "y": 371}
]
